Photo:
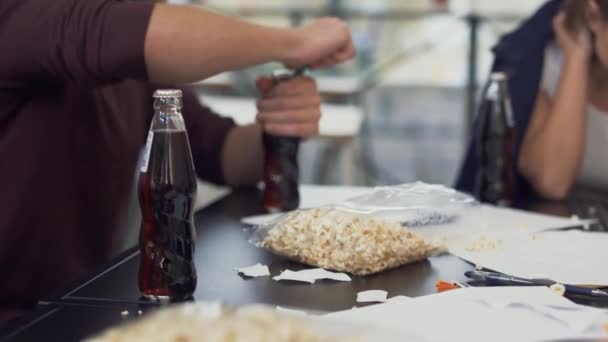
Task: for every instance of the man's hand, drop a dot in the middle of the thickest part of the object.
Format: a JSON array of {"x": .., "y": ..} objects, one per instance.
[
  {"x": 290, "y": 108},
  {"x": 321, "y": 44},
  {"x": 204, "y": 43}
]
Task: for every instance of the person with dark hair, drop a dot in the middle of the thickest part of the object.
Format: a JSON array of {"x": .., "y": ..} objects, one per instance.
[
  {"x": 568, "y": 132},
  {"x": 76, "y": 83},
  {"x": 557, "y": 63}
]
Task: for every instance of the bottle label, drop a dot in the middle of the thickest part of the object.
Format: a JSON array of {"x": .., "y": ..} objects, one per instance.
[{"x": 147, "y": 149}]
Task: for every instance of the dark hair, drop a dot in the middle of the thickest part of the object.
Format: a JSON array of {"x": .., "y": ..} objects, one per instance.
[{"x": 575, "y": 12}]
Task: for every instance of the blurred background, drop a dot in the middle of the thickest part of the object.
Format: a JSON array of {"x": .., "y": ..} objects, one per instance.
[{"x": 402, "y": 110}]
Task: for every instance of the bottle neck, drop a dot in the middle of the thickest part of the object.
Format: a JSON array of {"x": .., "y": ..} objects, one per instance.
[
  {"x": 167, "y": 117},
  {"x": 162, "y": 102},
  {"x": 497, "y": 96},
  {"x": 167, "y": 112}
]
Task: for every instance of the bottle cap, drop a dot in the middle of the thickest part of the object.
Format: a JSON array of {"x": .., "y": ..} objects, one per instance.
[{"x": 165, "y": 93}]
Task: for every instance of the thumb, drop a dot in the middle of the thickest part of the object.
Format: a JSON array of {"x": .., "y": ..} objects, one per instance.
[{"x": 264, "y": 84}]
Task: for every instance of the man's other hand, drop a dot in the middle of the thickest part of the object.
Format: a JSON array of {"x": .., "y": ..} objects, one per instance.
[{"x": 291, "y": 108}]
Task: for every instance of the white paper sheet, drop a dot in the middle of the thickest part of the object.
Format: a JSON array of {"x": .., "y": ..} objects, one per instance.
[
  {"x": 312, "y": 196},
  {"x": 311, "y": 275},
  {"x": 371, "y": 296},
  {"x": 568, "y": 257},
  {"x": 399, "y": 299},
  {"x": 488, "y": 220},
  {"x": 257, "y": 270},
  {"x": 472, "y": 314}
]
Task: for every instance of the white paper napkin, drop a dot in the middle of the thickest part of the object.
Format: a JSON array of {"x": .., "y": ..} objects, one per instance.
[
  {"x": 311, "y": 275},
  {"x": 371, "y": 296},
  {"x": 257, "y": 270}
]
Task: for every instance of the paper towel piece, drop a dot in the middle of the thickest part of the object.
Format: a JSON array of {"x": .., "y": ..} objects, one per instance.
[
  {"x": 311, "y": 275},
  {"x": 371, "y": 296},
  {"x": 257, "y": 270}
]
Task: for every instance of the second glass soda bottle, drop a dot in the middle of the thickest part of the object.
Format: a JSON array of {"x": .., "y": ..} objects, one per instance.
[
  {"x": 496, "y": 144},
  {"x": 167, "y": 190},
  {"x": 281, "y": 171}
]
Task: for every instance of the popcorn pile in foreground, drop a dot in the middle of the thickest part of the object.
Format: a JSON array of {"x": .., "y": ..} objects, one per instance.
[
  {"x": 346, "y": 242},
  {"x": 214, "y": 323}
]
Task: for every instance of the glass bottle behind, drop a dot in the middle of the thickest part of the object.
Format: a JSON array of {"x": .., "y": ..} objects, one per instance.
[
  {"x": 281, "y": 171},
  {"x": 496, "y": 144},
  {"x": 167, "y": 191}
]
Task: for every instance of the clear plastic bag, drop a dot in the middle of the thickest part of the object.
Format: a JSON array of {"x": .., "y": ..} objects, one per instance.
[
  {"x": 413, "y": 204},
  {"x": 366, "y": 234}
]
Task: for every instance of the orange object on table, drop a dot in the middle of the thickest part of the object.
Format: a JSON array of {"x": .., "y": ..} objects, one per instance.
[{"x": 443, "y": 286}]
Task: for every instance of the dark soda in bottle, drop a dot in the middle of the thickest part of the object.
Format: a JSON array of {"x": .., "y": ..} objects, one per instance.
[
  {"x": 496, "y": 144},
  {"x": 167, "y": 190},
  {"x": 281, "y": 171}
]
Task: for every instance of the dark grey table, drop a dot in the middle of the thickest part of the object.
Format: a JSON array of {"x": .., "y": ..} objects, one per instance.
[{"x": 223, "y": 245}]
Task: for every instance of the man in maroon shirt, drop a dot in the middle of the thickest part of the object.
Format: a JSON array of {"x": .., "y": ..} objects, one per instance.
[{"x": 76, "y": 78}]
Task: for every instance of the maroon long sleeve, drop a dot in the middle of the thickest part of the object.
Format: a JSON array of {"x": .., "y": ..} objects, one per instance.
[
  {"x": 75, "y": 106},
  {"x": 88, "y": 42}
]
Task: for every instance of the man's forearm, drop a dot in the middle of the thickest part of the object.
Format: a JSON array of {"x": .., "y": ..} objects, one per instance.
[
  {"x": 186, "y": 44},
  {"x": 243, "y": 156}
]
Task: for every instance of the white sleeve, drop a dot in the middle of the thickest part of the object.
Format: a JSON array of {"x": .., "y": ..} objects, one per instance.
[{"x": 552, "y": 69}]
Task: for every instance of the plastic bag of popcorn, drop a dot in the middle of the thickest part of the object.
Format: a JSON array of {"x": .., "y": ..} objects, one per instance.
[
  {"x": 366, "y": 234},
  {"x": 342, "y": 241}
]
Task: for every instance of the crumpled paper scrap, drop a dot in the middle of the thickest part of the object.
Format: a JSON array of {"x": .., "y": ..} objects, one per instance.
[
  {"x": 257, "y": 270},
  {"x": 372, "y": 296},
  {"x": 311, "y": 275}
]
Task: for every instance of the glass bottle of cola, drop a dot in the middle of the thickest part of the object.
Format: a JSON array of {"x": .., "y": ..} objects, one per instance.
[
  {"x": 281, "y": 171},
  {"x": 167, "y": 190},
  {"x": 496, "y": 144}
]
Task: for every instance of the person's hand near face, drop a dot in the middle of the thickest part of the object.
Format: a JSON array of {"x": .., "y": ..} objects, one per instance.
[
  {"x": 290, "y": 108},
  {"x": 575, "y": 42}
]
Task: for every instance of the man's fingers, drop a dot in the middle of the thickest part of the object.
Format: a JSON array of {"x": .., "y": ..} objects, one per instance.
[
  {"x": 290, "y": 116},
  {"x": 301, "y": 85},
  {"x": 345, "y": 54},
  {"x": 274, "y": 104},
  {"x": 264, "y": 84},
  {"x": 300, "y": 130},
  {"x": 324, "y": 63},
  {"x": 290, "y": 108}
]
